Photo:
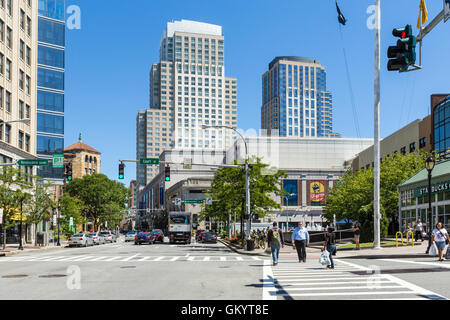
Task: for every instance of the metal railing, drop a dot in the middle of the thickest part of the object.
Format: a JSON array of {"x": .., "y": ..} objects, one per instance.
[{"x": 319, "y": 236}]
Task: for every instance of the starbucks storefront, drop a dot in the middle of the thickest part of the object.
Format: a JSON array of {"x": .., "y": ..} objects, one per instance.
[{"x": 414, "y": 198}]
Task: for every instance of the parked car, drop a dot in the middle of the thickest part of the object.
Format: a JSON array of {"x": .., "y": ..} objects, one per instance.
[
  {"x": 97, "y": 238},
  {"x": 159, "y": 235},
  {"x": 209, "y": 237},
  {"x": 200, "y": 236},
  {"x": 144, "y": 237},
  {"x": 80, "y": 240},
  {"x": 109, "y": 236},
  {"x": 130, "y": 236}
]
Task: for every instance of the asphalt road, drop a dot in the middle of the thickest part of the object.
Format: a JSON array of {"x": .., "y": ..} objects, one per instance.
[{"x": 212, "y": 272}]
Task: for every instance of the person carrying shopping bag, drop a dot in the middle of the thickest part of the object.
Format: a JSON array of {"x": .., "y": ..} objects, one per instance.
[
  {"x": 330, "y": 245},
  {"x": 440, "y": 237}
]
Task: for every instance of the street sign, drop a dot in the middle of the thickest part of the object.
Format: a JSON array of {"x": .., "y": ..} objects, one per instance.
[
  {"x": 151, "y": 161},
  {"x": 209, "y": 201},
  {"x": 71, "y": 222},
  {"x": 33, "y": 162},
  {"x": 187, "y": 164},
  {"x": 178, "y": 201},
  {"x": 1, "y": 216},
  {"x": 54, "y": 220},
  {"x": 446, "y": 10},
  {"x": 193, "y": 201},
  {"x": 58, "y": 161}
]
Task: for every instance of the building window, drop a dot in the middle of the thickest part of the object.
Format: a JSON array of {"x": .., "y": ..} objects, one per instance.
[
  {"x": 20, "y": 140},
  {"x": 8, "y": 101},
  {"x": 422, "y": 143},
  {"x": 7, "y": 133},
  {"x": 27, "y": 143},
  {"x": 412, "y": 147},
  {"x": 403, "y": 150}
]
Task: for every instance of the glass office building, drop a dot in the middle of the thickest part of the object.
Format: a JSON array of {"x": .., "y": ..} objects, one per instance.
[
  {"x": 441, "y": 116},
  {"x": 296, "y": 102},
  {"x": 50, "y": 84}
]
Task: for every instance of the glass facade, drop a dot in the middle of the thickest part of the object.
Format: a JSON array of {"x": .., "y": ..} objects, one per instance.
[
  {"x": 442, "y": 126},
  {"x": 50, "y": 82}
]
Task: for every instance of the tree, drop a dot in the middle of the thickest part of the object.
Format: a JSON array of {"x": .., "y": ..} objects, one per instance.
[
  {"x": 39, "y": 206},
  {"x": 228, "y": 192},
  {"x": 71, "y": 208},
  {"x": 352, "y": 197},
  {"x": 103, "y": 199},
  {"x": 14, "y": 185}
]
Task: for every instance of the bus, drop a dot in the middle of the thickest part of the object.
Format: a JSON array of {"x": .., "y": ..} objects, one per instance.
[{"x": 180, "y": 227}]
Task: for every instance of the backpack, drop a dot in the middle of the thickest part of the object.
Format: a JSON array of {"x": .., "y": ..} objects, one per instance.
[{"x": 276, "y": 239}]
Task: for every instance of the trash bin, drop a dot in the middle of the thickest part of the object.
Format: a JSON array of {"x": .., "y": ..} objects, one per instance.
[
  {"x": 250, "y": 245},
  {"x": 40, "y": 238}
]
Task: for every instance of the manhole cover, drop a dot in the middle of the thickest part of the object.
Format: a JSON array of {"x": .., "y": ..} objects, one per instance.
[
  {"x": 53, "y": 276},
  {"x": 124, "y": 253},
  {"x": 13, "y": 276},
  {"x": 128, "y": 267}
]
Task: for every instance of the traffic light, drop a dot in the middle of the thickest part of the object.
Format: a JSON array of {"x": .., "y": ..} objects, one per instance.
[
  {"x": 69, "y": 171},
  {"x": 121, "y": 171},
  {"x": 403, "y": 54},
  {"x": 167, "y": 171}
]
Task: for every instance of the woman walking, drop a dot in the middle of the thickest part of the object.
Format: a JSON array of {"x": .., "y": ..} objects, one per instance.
[
  {"x": 330, "y": 245},
  {"x": 439, "y": 236}
]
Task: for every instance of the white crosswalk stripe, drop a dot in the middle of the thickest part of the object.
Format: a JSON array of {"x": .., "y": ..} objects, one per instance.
[
  {"x": 131, "y": 258},
  {"x": 311, "y": 281}
]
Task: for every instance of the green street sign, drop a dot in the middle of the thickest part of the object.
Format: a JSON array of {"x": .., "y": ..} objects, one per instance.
[
  {"x": 33, "y": 162},
  {"x": 58, "y": 161},
  {"x": 149, "y": 161},
  {"x": 193, "y": 201}
]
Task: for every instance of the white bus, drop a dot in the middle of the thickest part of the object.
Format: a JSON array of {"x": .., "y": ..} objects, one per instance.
[{"x": 180, "y": 227}]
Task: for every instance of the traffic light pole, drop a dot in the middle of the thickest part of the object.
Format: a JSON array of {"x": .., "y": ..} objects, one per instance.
[{"x": 376, "y": 206}]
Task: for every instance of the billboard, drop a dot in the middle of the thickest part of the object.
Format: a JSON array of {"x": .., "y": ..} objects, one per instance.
[
  {"x": 291, "y": 187},
  {"x": 317, "y": 193}
]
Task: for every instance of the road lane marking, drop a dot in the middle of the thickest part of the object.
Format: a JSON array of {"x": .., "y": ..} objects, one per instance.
[
  {"x": 99, "y": 258},
  {"x": 130, "y": 258},
  {"x": 206, "y": 258},
  {"x": 174, "y": 259},
  {"x": 159, "y": 259},
  {"x": 341, "y": 288},
  {"x": 54, "y": 258},
  {"x": 239, "y": 259}
]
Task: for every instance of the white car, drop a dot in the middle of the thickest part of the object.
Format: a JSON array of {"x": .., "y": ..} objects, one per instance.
[
  {"x": 109, "y": 236},
  {"x": 130, "y": 236},
  {"x": 80, "y": 240},
  {"x": 97, "y": 238}
]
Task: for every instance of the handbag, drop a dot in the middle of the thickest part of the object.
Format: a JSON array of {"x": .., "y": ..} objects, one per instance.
[
  {"x": 446, "y": 240},
  {"x": 325, "y": 258},
  {"x": 433, "y": 250}
]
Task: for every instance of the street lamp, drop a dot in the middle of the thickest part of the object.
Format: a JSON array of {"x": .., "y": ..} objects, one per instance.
[
  {"x": 429, "y": 165},
  {"x": 20, "y": 232},
  {"x": 247, "y": 183}
]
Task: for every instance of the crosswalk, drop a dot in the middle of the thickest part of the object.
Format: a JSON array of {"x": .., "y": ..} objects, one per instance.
[
  {"x": 131, "y": 258},
  {"x": 291, "y": 280}
]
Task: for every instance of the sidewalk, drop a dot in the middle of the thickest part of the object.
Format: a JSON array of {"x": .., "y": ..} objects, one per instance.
[
  {"x": 13, "y": 249},
  {"x": 314, "y": 251}
]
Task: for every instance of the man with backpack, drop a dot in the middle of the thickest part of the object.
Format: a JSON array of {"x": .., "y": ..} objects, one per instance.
[
  {"x": 275, "y": 240},
  {"x": 300, "y": 240}
]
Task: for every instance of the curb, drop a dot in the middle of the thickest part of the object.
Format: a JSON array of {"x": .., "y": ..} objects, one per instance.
[
  {"x": 15, "y": 252},
  {"x": 248, "y": 253}
]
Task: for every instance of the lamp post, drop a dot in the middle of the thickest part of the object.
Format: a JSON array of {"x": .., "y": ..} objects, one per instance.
[
  {"x": 247, "y": 183},
  {"x": 20, "y": 231},
  {"x": 429, "y": 164},
  {"x": 287, "y": 205}
]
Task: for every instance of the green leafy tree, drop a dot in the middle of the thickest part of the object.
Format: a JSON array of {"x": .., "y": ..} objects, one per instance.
[
  {"x": 71, "y": 208},
  {"x": 14, "y": 190},
  {"x": 228, "y": 192},
  {"x": 352, "y": 196},
  {"x": 103, "y": 199}
]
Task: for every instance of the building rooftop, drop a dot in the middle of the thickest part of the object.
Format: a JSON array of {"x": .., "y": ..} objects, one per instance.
[
  {"x": 80, "y": 146},
  {"x": 189, "y": 26},
  {"x": 441, "y": 169},
  {"x": 294, "y": 59}
]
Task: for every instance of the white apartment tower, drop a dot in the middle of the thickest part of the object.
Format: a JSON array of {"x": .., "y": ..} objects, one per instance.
[{"x": 188, "y": 89}]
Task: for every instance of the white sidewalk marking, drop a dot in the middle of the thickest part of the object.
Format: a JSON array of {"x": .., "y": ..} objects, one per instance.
[
  {"x": 130, "y": 258},
  {"x": 434, "y": 264},
  {"x": 269, "y": 289}
]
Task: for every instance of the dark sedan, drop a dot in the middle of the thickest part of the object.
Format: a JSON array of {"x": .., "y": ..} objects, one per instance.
[
  {"x": 209, "y": 237},
  {"x": 144, "y": 237}
]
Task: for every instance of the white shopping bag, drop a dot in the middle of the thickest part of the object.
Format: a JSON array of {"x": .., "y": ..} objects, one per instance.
[
  {"x": 433, "y": 250},
  {"x": 325, "y": 258}
]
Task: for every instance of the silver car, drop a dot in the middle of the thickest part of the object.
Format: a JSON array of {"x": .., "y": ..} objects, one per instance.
[
  {"x": 130, "y": 236},
  {"x": 80, "y": 240},
  {"x": 109, "y": 237},
  {"x": 97, "y": 238}
]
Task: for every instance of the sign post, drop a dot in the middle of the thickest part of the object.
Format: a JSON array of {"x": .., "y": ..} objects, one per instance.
[{"x": 58, "y": 161}]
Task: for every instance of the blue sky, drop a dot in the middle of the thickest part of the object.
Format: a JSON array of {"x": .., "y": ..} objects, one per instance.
[{"x": 109, "y": 58}]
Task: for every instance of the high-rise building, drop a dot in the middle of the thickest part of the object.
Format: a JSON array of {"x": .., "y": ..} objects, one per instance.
[
  {"x": 50, "y": 84},
  {"x": 18, "y": 39},
  {"x": 188, "y": 89},
  {"x": 296, "y": 102}
]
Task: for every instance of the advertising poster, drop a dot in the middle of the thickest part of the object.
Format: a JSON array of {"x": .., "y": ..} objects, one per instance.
[
  {"x": 317, "y": 193},
  {"x": 291, "y": 187}
]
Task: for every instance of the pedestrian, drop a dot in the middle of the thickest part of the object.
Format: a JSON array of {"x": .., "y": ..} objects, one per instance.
[
  {"x": 357, "y": 234},
  {"x": 330, "y": 245},
  {"x": 276, "y": 241},
  {"x": 419, "y": 230},
  {"x": 300, "y": 240},
  {"x": 439, "y": 237}
]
